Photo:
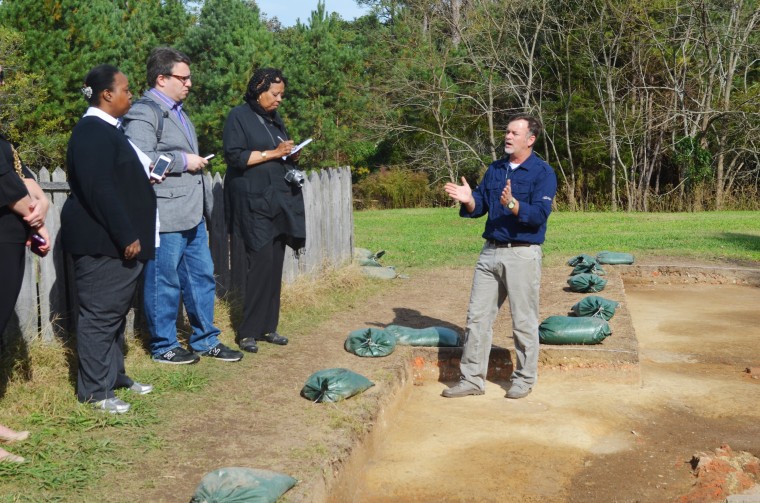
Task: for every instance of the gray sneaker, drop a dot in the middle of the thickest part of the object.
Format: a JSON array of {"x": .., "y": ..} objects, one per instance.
[
  {"x": 112, "y": 406},
  {"x": 140, "y": 388},
  {"x": 463, "y": 388},
  {"x": 519, "y": 390}
]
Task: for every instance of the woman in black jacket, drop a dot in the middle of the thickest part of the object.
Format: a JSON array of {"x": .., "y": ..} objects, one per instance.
[
  {"x": 264, "y": 202},
  {"x": 22, "y": 213},
  {"x": 108, "y": 225}
]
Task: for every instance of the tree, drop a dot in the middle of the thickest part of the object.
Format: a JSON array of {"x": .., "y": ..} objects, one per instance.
[
  {"x": 327, "y": 92},
  {"x": 19, "y": 95},
  {"x": 227, "y": 43},
  {"x": 63, "y": 39}
]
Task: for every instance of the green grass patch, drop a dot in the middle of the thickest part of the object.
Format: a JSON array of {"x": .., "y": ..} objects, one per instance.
[
  {"x": 308, "y": 302},
  {"x": 437, "y": 237},
  {"x": 75, "y": 451}
]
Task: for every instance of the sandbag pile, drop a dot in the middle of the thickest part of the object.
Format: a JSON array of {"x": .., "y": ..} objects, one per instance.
[
  {"x": 589, "y": 325},
  {"x": 586, "y": 274}
]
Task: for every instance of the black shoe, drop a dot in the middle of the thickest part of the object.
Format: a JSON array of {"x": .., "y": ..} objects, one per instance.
[
  {"x": 273, "y": 338},
  {"x": 177, "y": 356},
  {"x": 222, "y": 352},
  {"x": 249, "y": 344}
]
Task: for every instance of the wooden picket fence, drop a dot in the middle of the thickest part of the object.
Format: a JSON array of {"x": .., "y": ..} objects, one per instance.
[{"x": 47, "y": 302}]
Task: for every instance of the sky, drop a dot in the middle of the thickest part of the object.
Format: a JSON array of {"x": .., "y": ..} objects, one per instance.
[{"x": 287, "y": 11}]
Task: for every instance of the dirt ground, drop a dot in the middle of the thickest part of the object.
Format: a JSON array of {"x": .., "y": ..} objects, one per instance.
[{"x": 583, "y": 435}]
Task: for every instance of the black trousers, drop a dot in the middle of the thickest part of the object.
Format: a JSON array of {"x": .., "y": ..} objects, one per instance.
[
  {"x": 261, "y": 310},
  {"x": 11, "y": 277},
  {"x": 105, "y": 288}
]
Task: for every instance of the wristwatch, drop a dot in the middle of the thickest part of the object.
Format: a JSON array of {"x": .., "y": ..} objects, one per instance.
[
  {"x": 512, "y": 204},
  {"x": 263, "y": 154}
]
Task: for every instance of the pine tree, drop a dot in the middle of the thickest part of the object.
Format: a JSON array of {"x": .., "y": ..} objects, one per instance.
[
  {"x": 327, "y": 93},
  {"x": 63, "y": 39},
  {"x": 225, "y": 45}
]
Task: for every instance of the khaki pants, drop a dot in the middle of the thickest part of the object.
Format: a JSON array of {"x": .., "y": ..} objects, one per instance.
[{"x": 500, "y": 274}]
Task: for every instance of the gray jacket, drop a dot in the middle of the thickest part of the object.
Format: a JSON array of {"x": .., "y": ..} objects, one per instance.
[{"x": 182, "y": 197}]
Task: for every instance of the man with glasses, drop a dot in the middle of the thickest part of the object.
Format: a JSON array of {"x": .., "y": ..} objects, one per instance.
[{"x": 158, "y": 125}]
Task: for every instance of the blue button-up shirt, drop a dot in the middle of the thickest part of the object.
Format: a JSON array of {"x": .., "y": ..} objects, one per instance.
[
  {"x": 534, "y": 185},
  {"x": 176, "y": 107}
]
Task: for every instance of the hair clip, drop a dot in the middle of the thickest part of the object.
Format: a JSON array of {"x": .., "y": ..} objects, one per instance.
[{"x": 87, "y": 91}]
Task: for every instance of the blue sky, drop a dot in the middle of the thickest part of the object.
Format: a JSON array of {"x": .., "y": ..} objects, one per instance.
[{"x": 287, "y": 11}]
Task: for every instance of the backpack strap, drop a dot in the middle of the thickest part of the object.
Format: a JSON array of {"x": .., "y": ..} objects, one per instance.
[{"x": 160, "y": 115}]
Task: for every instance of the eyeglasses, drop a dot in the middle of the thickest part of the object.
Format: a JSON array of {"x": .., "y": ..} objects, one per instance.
[{"x": 181, "y": 78}]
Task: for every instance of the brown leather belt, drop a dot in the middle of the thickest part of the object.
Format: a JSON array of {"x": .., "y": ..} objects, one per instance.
[{"x": 507, "y": 244}]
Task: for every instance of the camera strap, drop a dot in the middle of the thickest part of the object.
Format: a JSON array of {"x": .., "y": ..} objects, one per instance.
[{"x": 274, "y": 145}]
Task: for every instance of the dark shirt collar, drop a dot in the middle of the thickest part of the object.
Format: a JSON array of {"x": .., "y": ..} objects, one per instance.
[{"x": 527, "y": 163}]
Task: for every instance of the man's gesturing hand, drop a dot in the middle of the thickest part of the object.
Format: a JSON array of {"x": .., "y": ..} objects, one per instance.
[{"x": 461, "y": 193}]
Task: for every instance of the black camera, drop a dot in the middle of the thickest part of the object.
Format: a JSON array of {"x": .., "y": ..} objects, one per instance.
[{"x": 295, "y": 177}]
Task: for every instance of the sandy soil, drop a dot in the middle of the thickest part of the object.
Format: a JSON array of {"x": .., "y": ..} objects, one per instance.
[{"x": 580, "y": 436}]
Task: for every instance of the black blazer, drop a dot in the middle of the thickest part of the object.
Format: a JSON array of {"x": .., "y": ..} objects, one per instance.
[{"x": 111, "y": 203}]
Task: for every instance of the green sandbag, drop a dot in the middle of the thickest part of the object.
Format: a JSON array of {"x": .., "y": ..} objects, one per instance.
[
  {"x": 586, "y": 282},
  {"x": 572, "y": 330},
  {"x": 334, "y": 385},
  {"x": 593, "y": 268},
  {"x": 379, "y": 272},
  {"x": 242, "y": 485},
  {"x": 364, "y": 257},
  {"x": 581, "y": 259},
  {"x": 597, "y": 307},
  {"x": 437, "y": 337},
  {"x": 372, "y": 342},
  {"x": 608, "y": 257}
]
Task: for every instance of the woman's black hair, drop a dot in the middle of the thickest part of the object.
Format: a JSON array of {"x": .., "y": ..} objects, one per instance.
[
  {"x": 98, "y": 80},
  {"x": 260, "y": 81}
]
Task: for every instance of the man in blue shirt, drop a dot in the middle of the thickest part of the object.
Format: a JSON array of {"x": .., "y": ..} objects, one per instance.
[{"x": 516, "y": 193}]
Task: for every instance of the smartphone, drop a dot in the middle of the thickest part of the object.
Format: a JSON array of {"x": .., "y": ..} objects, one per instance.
[
  {"x": 160, "y": 167},
  {"x": 37, "y": 241}
]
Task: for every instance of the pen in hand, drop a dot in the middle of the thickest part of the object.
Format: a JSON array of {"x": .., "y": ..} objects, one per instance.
[{"x": 286, "y": 155}]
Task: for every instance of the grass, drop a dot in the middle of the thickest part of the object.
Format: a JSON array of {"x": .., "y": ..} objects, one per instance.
[
  {"x": 438, "y": 237},
  {"x": 74, "y": 449},
  {"x": 72, "y": 445}
]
